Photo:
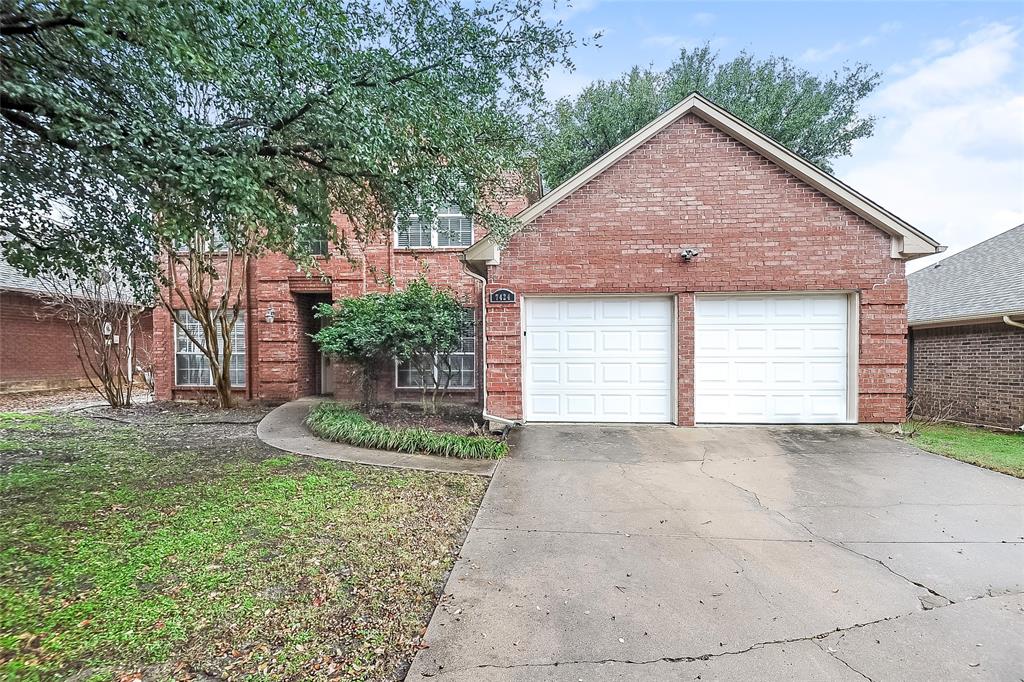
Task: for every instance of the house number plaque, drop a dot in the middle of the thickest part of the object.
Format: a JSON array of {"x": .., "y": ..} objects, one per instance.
[{"x": 503, "y": 296}]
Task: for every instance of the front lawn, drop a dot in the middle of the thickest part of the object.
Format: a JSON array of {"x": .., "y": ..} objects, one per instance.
[
  {"x": 164, "y": 552},
  {"x": 990, "y": 449}
]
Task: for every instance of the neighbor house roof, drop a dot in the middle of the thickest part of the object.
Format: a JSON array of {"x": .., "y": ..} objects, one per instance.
[
  {"x": 11, "y": 279},
  {"x": 907, "y": 241},
  {"x": 984, "y": 281}
]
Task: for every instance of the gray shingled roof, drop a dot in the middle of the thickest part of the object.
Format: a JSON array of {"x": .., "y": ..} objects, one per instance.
[
  {"x": 984, "y": 280},
  {"x": 12, "y": 280}
]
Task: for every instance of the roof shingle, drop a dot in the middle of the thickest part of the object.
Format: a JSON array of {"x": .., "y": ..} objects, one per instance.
[{"x": 982, "y": 281}]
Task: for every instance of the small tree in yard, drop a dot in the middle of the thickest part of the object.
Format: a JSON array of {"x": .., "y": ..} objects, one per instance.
[
  {"x": 205, "y": 278},
  {"x": 421, "y": 324},
  {"x": 102, "y": 315}
]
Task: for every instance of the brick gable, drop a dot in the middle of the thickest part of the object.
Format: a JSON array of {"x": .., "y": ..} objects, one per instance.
[{"x": 758, "y": 228}]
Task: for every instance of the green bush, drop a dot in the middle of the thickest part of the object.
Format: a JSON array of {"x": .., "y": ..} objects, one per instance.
[{"x": 335, "y": 422}]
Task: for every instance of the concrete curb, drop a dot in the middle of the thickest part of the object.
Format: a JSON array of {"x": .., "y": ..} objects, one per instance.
[{"x": 285, "y": 429}]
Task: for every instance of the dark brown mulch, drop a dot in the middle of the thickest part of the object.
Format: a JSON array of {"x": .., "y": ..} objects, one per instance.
[{"x": 460, "y": 419}]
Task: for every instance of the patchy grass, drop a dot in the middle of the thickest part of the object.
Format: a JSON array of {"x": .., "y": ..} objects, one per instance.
[
  {"x": 333, "y": 421},
  {"x": 121, "y": 553},
  {"x": 990, "y": 449}
]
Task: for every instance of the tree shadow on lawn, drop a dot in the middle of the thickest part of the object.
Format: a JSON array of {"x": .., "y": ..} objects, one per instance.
[{"x": 181, "y": 550}]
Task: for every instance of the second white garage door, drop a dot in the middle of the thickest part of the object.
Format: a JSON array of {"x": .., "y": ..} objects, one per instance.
[
  {"x": 599, "y": 359},
  {"x": 771, "y": 359}
]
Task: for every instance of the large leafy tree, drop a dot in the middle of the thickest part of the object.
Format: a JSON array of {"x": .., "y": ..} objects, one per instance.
[
  {"x": 130, "y": 125},
  {"x": 817, "y": 117}
]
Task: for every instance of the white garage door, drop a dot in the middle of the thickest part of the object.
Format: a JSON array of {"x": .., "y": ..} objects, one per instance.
[
  {"x": 599, "y": 359},
  {"x": 771, "y": 359}
]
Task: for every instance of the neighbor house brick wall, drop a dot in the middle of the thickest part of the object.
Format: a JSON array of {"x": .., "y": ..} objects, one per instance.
[
  {"x": 758, "y": 228},
  {"x": 35, "y": 353},
  {"x": 971, "y": 373}
]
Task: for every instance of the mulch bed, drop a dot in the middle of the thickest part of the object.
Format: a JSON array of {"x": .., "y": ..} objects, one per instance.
[{"x": 458, "y": 419}]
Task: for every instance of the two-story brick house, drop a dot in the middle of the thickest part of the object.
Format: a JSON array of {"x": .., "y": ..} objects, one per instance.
[{"x": 697, "y": 273}]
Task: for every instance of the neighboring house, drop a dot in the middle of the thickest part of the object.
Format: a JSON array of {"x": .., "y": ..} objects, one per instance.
[
  {"x": 37, "y": 351},
  {"x": 697, "y": 273},
  {"x": 966, "y": 316}
]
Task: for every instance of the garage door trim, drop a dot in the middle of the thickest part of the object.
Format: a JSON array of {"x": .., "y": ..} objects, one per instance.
[
  {"x": 852, "y": 341},
  {"x": 673, "y": 344}
]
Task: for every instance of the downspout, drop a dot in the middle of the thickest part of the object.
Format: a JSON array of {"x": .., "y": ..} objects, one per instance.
[
  {"x": 483, "y": 346},
  {"x": 250, "y": 340},
  {"x": 1012, "y": 323}
]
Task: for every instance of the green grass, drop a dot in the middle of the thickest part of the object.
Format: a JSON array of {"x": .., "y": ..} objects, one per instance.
[
  {"x": 332, "y": 421},
  {"x": 990, "y": 449},
  {"x": 118, "y": 556}
]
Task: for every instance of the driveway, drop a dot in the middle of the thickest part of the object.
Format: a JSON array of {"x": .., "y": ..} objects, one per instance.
[{"x": 657, "y": 553}]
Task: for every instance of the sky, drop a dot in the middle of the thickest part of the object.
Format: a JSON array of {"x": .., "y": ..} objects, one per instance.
[{"x": 947, "y": 154}]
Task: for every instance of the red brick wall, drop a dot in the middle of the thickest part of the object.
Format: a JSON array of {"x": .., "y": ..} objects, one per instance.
[
  {"x": 284, "y": 362},
  {"x": 758, "y": 228},
  {"x": 34, "y": 353},
  {"x": 972, "y": 374},
  {"x": 38, "y": 353}
]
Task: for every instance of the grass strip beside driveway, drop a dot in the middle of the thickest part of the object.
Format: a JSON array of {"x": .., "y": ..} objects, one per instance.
[
  {"x": 999, "y": 451},
  {"x": 124, "y": 554}
]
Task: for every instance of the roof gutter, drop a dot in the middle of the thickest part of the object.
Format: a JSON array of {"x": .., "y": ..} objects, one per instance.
[
  {"x": 483, "y": 342},
  {"x": 1012, "y": 323}
]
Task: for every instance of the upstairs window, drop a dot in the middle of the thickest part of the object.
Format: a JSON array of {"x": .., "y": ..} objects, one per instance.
[{"x": 451, "y": 228}]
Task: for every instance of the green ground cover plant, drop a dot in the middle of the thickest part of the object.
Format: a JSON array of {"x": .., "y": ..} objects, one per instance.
[{"x": 336, "y": 422}]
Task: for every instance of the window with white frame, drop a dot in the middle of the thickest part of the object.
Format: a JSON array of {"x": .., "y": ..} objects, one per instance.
[
  {"x": 192, "y": 367},
  {"x": 460, "y": 366},
  {"x": 449, "y": 228}
]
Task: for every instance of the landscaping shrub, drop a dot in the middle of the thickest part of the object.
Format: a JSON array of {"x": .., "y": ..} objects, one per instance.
[{"x": 335, "y": 422}]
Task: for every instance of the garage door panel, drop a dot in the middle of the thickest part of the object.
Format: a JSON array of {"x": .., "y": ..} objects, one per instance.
[
  {"x": 653, "y": 341},
  {"x": 580, "y": 310},
  {"x": 541, "y": 310},
  {"x": 653, "y": 374},
  {"x": 773, "y": 358},
  {"x": 599, "y": 359},
  {"x": 619, "y": 341},
  {"x": 544, "y": 373},
  {"x": 544, "y": 342},
  {"x": 577, "y": 341}
]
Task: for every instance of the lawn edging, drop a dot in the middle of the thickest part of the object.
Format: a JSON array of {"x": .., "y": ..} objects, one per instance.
[{"x": 335, "y": 422}]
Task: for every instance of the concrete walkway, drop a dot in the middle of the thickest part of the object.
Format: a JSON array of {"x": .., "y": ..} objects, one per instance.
[
  {"x": 285, "y": 429},
  {"x": 654, "y": 553}
]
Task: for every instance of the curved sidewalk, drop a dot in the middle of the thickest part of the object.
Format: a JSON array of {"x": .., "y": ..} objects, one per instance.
[{"x": 285, "y": 429}]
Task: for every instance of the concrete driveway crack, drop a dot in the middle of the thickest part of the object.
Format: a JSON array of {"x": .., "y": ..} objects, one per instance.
[
  {"x": 834, "y": 654},
  {"x": 685, "y": 659},
  {"x": 937, "y": 599}
]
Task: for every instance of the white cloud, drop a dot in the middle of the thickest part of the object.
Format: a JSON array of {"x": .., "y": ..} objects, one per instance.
[
  {"x": 702, "y": 18},
  {"x": 820, "y": 54},
  {"x": 948, "y": 155}
]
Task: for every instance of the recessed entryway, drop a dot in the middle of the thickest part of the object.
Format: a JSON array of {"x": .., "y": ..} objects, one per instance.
[
  {"x": 773, "y": 358},
  {"x": 599, "y": 359}
]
